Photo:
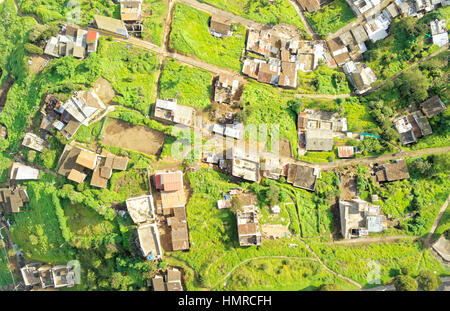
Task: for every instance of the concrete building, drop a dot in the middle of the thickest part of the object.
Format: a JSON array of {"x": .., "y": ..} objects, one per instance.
[{"x": 248, "y": 226}]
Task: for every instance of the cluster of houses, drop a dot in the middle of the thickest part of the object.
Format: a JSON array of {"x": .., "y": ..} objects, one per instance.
[
  {"x": 76, "y": 163},
  {"x": 347, "y": 48},
  {"x": 170, "y": 282},
  {"x": 38, "y": 276},
  {"x": 72, "y": 41},
  {"x": 282, "y": 57},
  {"x": 67, "y": 117},
  {"x": 415, "y": 124}
]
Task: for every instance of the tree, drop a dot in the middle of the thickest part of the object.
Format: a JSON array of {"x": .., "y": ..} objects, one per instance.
[
  {"x": 428, "y": 281},
  {"x": 329, "y": 288},
  {"x": 31, "y": 156},
  {"x": 405, "y": 283},
  {"x": 413, "y": 86},
  {"x": 236, "y": 204},
  {"x": 273, "y": 196},
  {"x": 405, "y": 270},
  {"x": 66, "y": 67},
  {"x": 421, "y": 166}
]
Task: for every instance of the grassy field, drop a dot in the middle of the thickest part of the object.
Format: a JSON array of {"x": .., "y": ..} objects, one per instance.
[
  {"x": 283, "y": 274},
  {"x": 154, "y": 23},
  {"x": 355, "y": 261},
  {"x": 190, "y": 36},
  {"x": 323, "y": 80},
  {"x": 132, "y": 73},
  {"x": 5, "y": 274},
  {"x": 280, "y": 12},
  {"x": 331, "y": 17},
  {"x": 51, "y": 10},
  {"x": 190, "y": 86},
  {"x": 270, "y": 106}
]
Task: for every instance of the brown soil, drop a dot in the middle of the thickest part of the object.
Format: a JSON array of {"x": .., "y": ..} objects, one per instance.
[
  {"x": 274, "y": 230},
  {"x": 104, "y": 90},
  {"x": 4, "y": 89},
  {"x": 38, "y": 63},
  {"x": 285, "y": 148},
  {"x": 133, "y": 137}
]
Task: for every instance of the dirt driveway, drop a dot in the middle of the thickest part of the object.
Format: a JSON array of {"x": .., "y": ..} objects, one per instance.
[{"x": 132, "y": 137}]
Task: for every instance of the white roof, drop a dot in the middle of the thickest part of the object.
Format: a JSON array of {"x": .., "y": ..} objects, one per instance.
[
  {"x": 440, "y": 39},
  {"x": 23, "y": 172},
  {"x": 141, "y": 208},
  {"x": 166, "y": 104}
]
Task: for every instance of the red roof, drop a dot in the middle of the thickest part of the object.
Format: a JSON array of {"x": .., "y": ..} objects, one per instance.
[
  {"x": 346, "y": 151},
  {"x": 169, "y": 181},
  {"x": 91, "y": 36}
]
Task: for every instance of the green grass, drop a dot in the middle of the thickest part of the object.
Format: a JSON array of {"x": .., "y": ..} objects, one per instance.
[
  {"x": 280, "y": 12},
  {"x": 190, "y": 36},
  {"x": 354, "y": 261},
  {"x": 190, "y": 86},
  {"x": 51, "y": 10},
  {"x": 331, "y": 17},
  {"x": 5, "y": 274},
  {"x": 283, "y": 275},
  {"x": 37, "y": 231},
  {"x": 5, "y": 162},
  {"x": 444, "y": 223},
  {"x": 154, "y": 24},
  {"x": 323, "y": 80},
  {"x": 132, "y": 72},
  {"x": 271, "y": 106}
]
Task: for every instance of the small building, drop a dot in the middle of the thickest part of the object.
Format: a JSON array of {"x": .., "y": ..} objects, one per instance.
[
  {"x": 377, "y": 27},
  {"x": 346, "y": 151},
  {"x": 432, "y": 106},
  {"x": 83, "y": 106},
  {"x": 47, "y": 276},
  {"x": 319, "y": 139},
  {"x": 219, "y": 28},
  {"x": 392, "y": 10},
  {"x": 12, "y": 200},
  {"x": 169, "y": 181},
  {"x": 269, "y": 73},
  {"x": 412, "y": 126},
  {"x": 339, "y": 51},
  {"x": 92, "y": 37},
  {"x": 360, "y": 34},
  {"x": 169, "y": 110},
  {"x": 248, "y": 226},
  {"x": 171, "y": 282},
  {"x": 288, "y": 76},
  {"x": 149, "y": 241},
  {"x": 302, "y": 176},
  {"x": 225, "y": 89},
  {"x": 360, "y": 76},
  {"x": 442, "y": 247},
  {"x": 19, "y": 171},
  {"x": 34, "y": 142},
  {"x": 391, "y": 171},
  {"x": 30, "y": 274},
  {"x": 439, "y": 32},
  {"x": 245, "y": 166},
  {"x": 271, "y": 166},
  {"x": 62, "y": 276},
  {"x": 309, "y": 5},
  {"x": 130, "y": 10},
  {"x": 111, "y": 26},
  {"x": 141, "y": 209},
  {"x": 359, "y": 218},
  {"x": 233, "y": 130}
]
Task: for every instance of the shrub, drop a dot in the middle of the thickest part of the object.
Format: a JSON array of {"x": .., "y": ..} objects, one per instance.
[
  {"x": 405, "y": 283},
  {"x": 428, "y": 281},
  {"x": 33, "y": 49}
]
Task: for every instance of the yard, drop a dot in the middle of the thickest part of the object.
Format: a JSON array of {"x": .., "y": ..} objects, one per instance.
[
  {"x": 190, "y": 36},
  {"x": 190, "y": 86},
  {"x": 5, "y": 274},
  {"x": 331, "y": 17},
  {"x": 323, "y": 80},
  {"x": 155, "y": 11},
  {"x": 280, "y": 12}
]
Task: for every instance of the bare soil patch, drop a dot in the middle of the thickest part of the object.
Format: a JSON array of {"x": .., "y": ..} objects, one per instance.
[
  {"x": 38, "y": 63},
  {"x": 104, "y": 90},
  {"x": 276, "y": 231},
  {"x": 4, "y": 89},
  {"x": 285, "y": 148},
  {"x": 133, "y": 137}
]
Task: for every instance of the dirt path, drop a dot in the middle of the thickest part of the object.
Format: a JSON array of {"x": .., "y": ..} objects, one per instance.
[
  {"x": 374, "y": 88},
  {"x": 26, "y": 15},
  {"x": 326, "y": 96},
  {"x": 302, "y": 16},
  {"x": 224, "y": 14},
  {"x": 384, "y": 239},
  {"x": 436, "y": 222}
]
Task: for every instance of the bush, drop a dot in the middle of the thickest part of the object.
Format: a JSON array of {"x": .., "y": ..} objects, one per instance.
[
  {"x": 428, "y": 281},
  {"x": 33, "y": 49},
  {"x": 405, "y": 283}
]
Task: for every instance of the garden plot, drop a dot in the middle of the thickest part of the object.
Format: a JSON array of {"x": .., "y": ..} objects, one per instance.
[{"x": 132, "y": 137}]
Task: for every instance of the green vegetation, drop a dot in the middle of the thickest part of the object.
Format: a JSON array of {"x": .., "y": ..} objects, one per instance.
[
  {"x": 261, "y": 11},
  {"x": 190, "y": 86},
  {"x": 154, "y": 23},
  {"x": 331, "y": 17},
  {"x": 323, "y": 80},
  {"x": 428, "y": 281},
  {"x": 283, "y": 274},
  {"x": 5, "y": 274},
  {"x": 52, "y": 10},
  {"x": 190, "y": 35},
  {"x": 405, "y": 283}
]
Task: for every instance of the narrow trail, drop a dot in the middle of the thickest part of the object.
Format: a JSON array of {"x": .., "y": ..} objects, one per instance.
[
  {"x": 436, "y": 222},
  {"x": 385, "y": 239},
  {"x": 25, "y": 15}
]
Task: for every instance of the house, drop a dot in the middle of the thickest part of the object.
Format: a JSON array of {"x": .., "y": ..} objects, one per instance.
[
  {"x": 269, "y": 73},
  {"x": 169, "y": 110},
  {"x": 62, "y": 276},
  {"x": 377, "y": 26},
  {"x": 130, "y": 10},
  {"x": 219, "y": 28},
  {"x": 302, "y": 176},
  {"x": 346, "y": 152},
  {"x": 338, "y": 51},
  {"x": 30, "y": 274},
  {"x": 359, "y": 218},
  {"x": 83, "y": 106},
  {"x": 12, "y": 200},
  {"x": 360, "y": 76},
  {"x": 250, "y": 67},
  {"x": 391, "y": 171},
  {"x": 179, "y": 234},
  {"x": 149, "y": 241},
  {"x": 442, "y": 247},
  {"x": 319, "y": 139},
  {"x": 73, "y": 42},
  {"x": 439, "y": 32},
  {"x": 317, "y": 119},
  {"x": 360, "y": 34},
  {"x": 432, "y": 106},
  {"x": 412, "y": 126},
  {"x": 45, "y": 276},
  {"x": 245, "y": 166},
  {"x": 264, "y": 43},
  {"x": 288, "y": 77},
  {"x": 225, "y": 89},
  {"x": 169, "y": 181},
  {"x": 34, "y": 142},
  {"x": 309, "y": 5},
  {"x": 354, "y": 48},
  {"x": 360, "y": 7},
  {"x": 406, "y": 8},
  {"x": 171, "y": 282},
  {"x": 141, "y": 209},
  {"x": 248, "y": 226},
  {"x": 92, "y": 41},
  {"x": 3, "y": 131},
  {"x": 19, "y": 171},
  {"x": 233, "y": 130},
  {"x": 392, "y": 10},
  {"x": 271, "y": 166},
  {"x": 111, "y": 26}
]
